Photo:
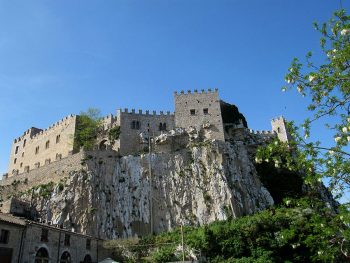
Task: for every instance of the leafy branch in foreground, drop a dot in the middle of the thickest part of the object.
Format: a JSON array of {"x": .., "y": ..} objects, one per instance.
[{"x": 328, "y": 87}]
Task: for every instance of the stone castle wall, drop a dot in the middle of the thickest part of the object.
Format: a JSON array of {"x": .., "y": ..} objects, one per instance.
[
  {"x": 132, "y": 124},
  {"x": 279, "y": 127},
  {"x": 37, "y": 147},
  {"x": 198, "y": 109},
  {"x": 52, "y": 172}
]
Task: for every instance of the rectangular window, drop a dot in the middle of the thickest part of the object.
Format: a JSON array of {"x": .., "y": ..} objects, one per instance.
[
  {"x": 88, "y": 244},
  {"x": 58, "y": 138},
  {"x": 44, "y": 235},
  {"x": 67, "y": 240},
  {"x": 14, "y": 161},
  {"x": 47, "y": 145},
  {"x": 37, "y": 150},
  {"x": 205, "y": 111},
  {"x": 4, "y": 236},
  {"x": 16, "y": 151},
  {"x": 193, "y": 112}
]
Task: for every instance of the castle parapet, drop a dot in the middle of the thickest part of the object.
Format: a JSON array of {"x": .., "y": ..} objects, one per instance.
[
  {"x": 56, "y": 125},
  {"x": 189, "y": 92},
  {"x": 143, "y": 113}
]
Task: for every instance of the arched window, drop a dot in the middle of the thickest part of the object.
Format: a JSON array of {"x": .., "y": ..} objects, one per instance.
[
  {"x": 87, "y": 259},
  {"x": 47, "y": 145},
  {"x": 65, "y": 258},
  {"x": 58, "y": 138},
  {"x": 162, "y": 126},
  {"x": 42, "y": 256}
]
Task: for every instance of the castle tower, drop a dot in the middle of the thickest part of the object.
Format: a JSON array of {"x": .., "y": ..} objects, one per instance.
[
  {"x": 197, "y": 109},
  {"x": 37, "y": 147},
  {"x": 280, "y": 128}
]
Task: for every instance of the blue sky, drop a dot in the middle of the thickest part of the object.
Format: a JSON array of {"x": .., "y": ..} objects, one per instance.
[{"x": 62, "y": 57}]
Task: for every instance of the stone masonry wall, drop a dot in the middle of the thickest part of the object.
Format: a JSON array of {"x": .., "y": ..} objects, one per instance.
[
  {"x": 279, "y": 127},
  {"x": 52, "y": 172},
  {"x": 130, "y": 141},
  {"x": 197, "y": 109},
  {"x": 14, "y": 238},
  {"x": 55, "y": 244},
  {"x": 33, "y": 150}
]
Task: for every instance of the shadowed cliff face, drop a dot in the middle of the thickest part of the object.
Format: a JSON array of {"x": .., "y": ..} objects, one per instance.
[
  {"x": 230, "y": 114},
  {"x": 110, "y": 196}
]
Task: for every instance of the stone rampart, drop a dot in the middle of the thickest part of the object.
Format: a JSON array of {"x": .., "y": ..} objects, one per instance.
[{"x": 52, "y": 172}]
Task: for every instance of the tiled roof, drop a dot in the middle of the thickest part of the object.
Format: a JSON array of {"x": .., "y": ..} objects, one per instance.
[{"x": 12, "y": 219}]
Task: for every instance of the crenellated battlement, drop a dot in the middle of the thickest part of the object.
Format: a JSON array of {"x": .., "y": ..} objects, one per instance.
[
  {"x": 196, "y": 108},
  {"x": 143, "y": 113},
  {"x": 189, "y": 92},
  {"x": 279, "y": 118},
  {"x": 260, "y": 132},
  {"x": 36, "y": 132}
]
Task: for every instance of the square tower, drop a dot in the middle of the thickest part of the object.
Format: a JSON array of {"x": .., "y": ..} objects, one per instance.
[{"x": 198, "y": 109}]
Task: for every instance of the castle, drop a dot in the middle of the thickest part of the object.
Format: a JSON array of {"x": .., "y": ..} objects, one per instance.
[{"x": 197, "y": 109}]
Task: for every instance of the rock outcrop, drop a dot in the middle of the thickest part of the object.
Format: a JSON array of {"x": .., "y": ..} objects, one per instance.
[{"x": 110, "y": 196}]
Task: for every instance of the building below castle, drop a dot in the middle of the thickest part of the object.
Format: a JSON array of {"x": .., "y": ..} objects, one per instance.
[
  {"x": 38, "y": 147},
  {"x": 22, "y": 240}
]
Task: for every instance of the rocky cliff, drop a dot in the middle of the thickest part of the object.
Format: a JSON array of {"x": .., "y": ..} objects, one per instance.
[{"x": 109, "y": 196}]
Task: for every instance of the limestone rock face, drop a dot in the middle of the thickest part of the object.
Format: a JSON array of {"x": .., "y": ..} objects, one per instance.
[{"x": 110, "y": 196}]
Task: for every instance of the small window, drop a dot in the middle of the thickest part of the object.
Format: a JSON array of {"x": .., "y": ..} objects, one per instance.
[
  {"x": 88, "y": 244},
  {"x": 4, "y": 236},
  {"x": 24, "y": 142},
  {"x": 205, "y": 111},
  {"x": 58, "y": 138},
  {"x": 193, "y": 112},
  {"x": 48, "y": 161},
  {"x": 135, "y": 125},
  {"x": 37, "y": 165},
  {"x": 44, "y": 235},
  {"x": 58, "y": 156},
  {"x": 278, "y": 129},
  {"x": 22, "y": 154},
  {"x": 37, "y": 150},
  {"x": 16, "y": 151},
  {"x": 67, "y": 240},
  {"x": 14, "y": 161},
  {"x": 47, "y": 145},
  {"x": 162, "y": 126},
  {"x": 26, "y": 169},
  {"x": 21, "y": 165}
]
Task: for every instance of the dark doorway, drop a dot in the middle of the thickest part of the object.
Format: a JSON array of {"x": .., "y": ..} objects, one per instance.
[{"x": 42, "y": 256}]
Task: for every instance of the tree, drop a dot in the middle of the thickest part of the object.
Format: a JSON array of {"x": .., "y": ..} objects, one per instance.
[
  {"x": 88, "y": 126},
  {"x": 327, "y": 85}
]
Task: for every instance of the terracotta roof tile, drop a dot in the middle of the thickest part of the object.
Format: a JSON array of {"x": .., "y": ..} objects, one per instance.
[{"x": 12, "y": 219}]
